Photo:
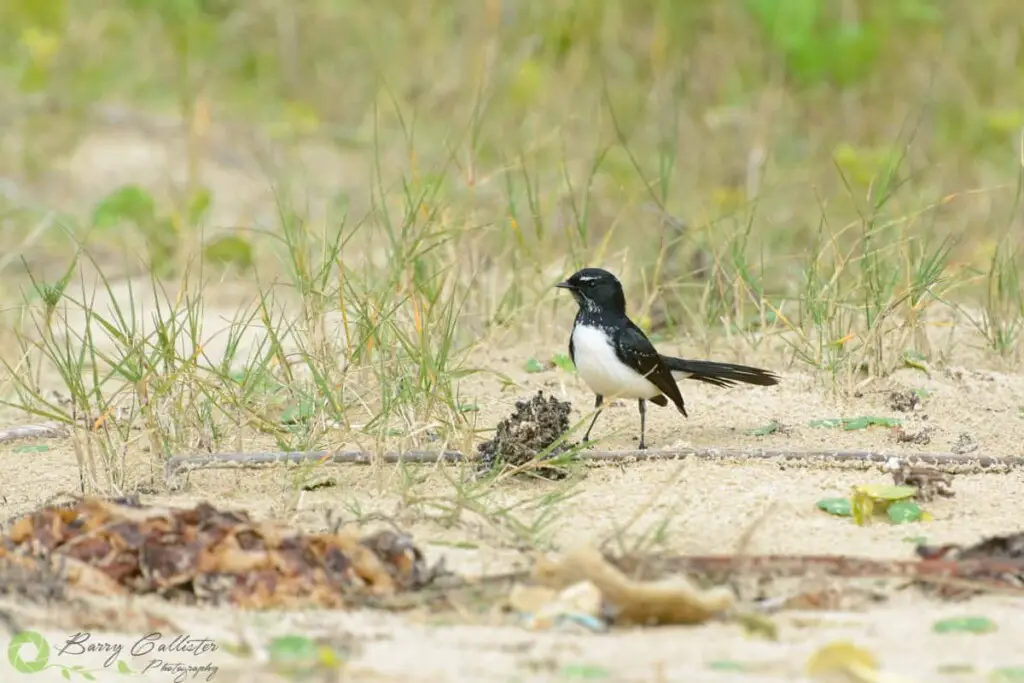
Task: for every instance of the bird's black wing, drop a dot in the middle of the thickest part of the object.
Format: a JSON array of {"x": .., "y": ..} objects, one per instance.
[{"x": 635, "y": 350}]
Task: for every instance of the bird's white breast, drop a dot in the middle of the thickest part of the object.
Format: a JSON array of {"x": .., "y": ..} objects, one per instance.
[{"x": 601, "y": 369}]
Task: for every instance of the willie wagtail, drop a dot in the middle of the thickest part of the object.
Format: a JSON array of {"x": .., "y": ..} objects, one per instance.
[{"x": 615, "y": 358}]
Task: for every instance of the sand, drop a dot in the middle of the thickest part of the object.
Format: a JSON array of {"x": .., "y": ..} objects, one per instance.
[{"x": 696, "y": 506}]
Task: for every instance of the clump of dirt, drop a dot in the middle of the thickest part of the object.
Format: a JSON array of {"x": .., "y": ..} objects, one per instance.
[
  {"x": 533, "y": 427},
  {"x": 965, "y": 443},
  {"x": 929, "y": 481},
  {"x": 207, "y": 556},
  {"x": 921, "y": 437},
  {"x": 904, "y": 401}
]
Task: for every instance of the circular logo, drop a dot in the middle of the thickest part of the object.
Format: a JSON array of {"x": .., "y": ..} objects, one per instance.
[{"x": 19, "y": 661}]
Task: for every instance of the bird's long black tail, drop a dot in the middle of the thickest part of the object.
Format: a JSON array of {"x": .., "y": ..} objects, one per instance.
[{"x": 720, "y": 374}]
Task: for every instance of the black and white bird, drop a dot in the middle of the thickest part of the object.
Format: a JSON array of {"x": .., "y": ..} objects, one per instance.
[{"x": 614, "y": 358}]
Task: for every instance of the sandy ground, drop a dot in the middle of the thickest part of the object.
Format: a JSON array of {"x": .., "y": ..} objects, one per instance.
[
  {"x": 696, "y": 506},
  {"x": 700, "y": 506}
]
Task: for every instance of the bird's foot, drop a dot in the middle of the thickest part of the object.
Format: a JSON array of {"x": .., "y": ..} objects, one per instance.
[{"x": 642, "y": 446}]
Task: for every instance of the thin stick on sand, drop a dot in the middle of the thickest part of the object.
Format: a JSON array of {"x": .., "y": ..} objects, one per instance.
[
  {"x": 863, "y": 459},
  {"x": 948, "y": 462}
]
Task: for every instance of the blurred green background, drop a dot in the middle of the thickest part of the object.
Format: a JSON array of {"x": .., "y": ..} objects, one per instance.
[{"x": 727, "y": 157}]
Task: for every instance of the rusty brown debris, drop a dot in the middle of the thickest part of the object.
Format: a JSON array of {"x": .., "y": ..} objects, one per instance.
[{"x": 207, "y": 555}]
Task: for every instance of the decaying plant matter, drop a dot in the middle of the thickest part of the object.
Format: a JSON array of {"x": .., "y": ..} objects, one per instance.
[
  {"x": 207, "y": 555},
  {"x": 536, "y": 425}
]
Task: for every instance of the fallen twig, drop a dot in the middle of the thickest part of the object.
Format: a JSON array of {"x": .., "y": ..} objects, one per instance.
[{"x": 947, "y": 461}]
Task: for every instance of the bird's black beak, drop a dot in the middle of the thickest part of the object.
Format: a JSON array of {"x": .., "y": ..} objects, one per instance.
[{"x": 564, "y": 285}]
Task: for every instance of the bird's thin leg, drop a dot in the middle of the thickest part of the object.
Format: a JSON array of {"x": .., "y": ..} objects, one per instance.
[
  {"x": 597, "y": 406},
  {"x": 643, "y": 423}
]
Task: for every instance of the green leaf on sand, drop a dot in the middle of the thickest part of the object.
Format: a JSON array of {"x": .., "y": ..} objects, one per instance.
[
  {"x": 563, "y": 362},
  {"x": 301, "y": 654},
  {"x": 584, "y": 672},
  {"x": 964, "y": 625},
  {"x": 870, "y": 499},
  {"x": 291, "y": 649},
  {"x": 853, "y": 423},
  {"x": 534, "y": 365},
  {"x": 32, "y": 448},
  {"x": 841, "y": 507},
  {"x": 1008, "y": 674},
  {"x": 764, "y": 430},
  {"x": 890, "y": 492},
  {"x": 229, "y": 250},
  {"x": 128, "y": 203},
  {"x": 904, "y": 511}
]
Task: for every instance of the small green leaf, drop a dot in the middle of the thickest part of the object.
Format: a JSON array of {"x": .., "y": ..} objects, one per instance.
[
  {"x": 1009, "y": 674},
  {"x": 534, "y": 365},
  {"x": 964, "y": 625},
  {"x": 865, "y": 422},
  {"x": 34, "y": 448},
  {"x": 469, "y": 408},
  {"x": 292, "y": 649},
  {"x": 128, "y": 203},
  {"x": 726, "y": 665},
  {"x": 229, "y": 250},
  {"x": 563, "y": 362},
  {"x": 66, "y": 673},
  {"x": 841, "y": 507},
  {"x": 854, "y": 423},
  {"x": 890, "y": 492},
  {"x": 870, "y": 499},
  {"x": 123, "y": 668},
  {"x": 763, "y": 430},
  {"x": 904, "y": 511},
  {"x": 585, "y": 672}
]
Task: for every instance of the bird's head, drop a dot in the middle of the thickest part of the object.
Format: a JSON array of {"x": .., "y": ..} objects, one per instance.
[{"x": 596, "y": 290}]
